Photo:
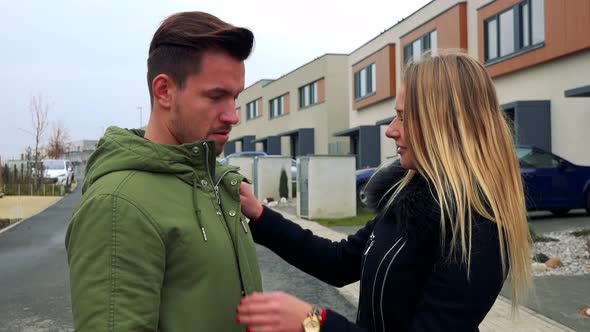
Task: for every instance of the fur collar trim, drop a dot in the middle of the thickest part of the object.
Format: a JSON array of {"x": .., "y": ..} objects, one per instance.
[{"x": 415, "y": 208}]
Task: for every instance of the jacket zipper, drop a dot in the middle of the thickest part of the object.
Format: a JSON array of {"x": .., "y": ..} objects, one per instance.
[
  {"x": 218, "y": 198},
  {"x": 383, "y": 285},
  {"x": 375, "y": 281},
  {"x": 372, "y": 239}
]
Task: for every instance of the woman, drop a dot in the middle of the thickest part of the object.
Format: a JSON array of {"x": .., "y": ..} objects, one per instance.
[{"x": 451, "y": 224}]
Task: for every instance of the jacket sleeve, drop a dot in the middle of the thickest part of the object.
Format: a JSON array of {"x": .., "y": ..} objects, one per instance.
[
  {"x": 117, "y": 261},
  {"x": 336, "y": 263}
]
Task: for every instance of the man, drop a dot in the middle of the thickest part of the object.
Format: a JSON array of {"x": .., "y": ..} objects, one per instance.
[{"x": 158, "y": 241}]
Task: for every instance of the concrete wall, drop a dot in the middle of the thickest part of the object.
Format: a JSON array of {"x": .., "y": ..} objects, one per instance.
[
  {"x": 246, "y": 165},
  {"x": 332, "y": 187},
  {"x": 268, "y": 176}
]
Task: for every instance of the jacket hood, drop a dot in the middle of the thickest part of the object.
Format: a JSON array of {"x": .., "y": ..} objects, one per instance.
[{"x": 127, "y": 149}]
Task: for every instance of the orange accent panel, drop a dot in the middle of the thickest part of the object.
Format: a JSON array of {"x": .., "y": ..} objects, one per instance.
[
  {"x": 321, "y": 90},
  {"x": 239, "y": 111},
  {"x": 450, "y": 26},
  {"x": 392, "y": 87},
  {"x": 567, "y": 27},
  {"x": 384, "y": 60},
  {"x": 260, "y": 106},
  {"x": 286, "y": 104}
]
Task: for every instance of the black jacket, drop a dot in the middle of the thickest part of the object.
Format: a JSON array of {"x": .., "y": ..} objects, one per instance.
[{"x": 407, "y": 281}]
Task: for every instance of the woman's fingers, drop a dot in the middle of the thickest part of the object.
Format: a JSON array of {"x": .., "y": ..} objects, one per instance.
[{"x": 274, "y": 311}]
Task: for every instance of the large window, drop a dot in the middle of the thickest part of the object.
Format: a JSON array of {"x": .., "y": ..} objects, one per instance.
[
  {"x": 276, "y": 107},
  {"x": 515, "y": 30},
  {"x": 364, "y": 82},
  {"x": 252, "y": 110},
  {"x": 308, "y": 95},
  {"x": 414, "y": 50}
]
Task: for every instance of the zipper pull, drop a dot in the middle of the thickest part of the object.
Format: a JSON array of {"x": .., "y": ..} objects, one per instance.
[
  {"x": 216, "y": 188},
  {"x": 243, "y": 225},
  {"x": 372, "y": 239}
]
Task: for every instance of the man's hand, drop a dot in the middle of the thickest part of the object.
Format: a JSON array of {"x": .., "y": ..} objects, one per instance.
[{"x": 251, "y": 208}]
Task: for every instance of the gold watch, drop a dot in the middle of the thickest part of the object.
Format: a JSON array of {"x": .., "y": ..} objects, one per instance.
[{"x": 311, "y": 323}]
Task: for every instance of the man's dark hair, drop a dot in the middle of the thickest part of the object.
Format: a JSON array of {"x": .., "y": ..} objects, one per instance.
[{"x": 178, "y": 44}]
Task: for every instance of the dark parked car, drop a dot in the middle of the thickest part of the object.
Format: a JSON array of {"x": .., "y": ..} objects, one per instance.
[
  {"x": 362, "y": 177},
  {"x": 550, "y": 182},
  {"x": 553, "y": 183}
]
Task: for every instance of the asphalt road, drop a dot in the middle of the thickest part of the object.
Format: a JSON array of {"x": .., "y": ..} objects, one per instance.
[
  {"x": 34, "y": 283},
  {"x": 34, "y": 274}
]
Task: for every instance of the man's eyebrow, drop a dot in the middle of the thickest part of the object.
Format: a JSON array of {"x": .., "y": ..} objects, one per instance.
[
  {"x": 223, "y": 91},
  {"x": 218, "y": 90}
]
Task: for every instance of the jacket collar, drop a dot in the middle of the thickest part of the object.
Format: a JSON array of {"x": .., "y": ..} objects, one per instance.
[{"x": 414, "y": 208}]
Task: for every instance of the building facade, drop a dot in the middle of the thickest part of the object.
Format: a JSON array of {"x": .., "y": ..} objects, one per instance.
[
  {"x": 297, "y": 114},
  {"x": 537, "y": 52}
]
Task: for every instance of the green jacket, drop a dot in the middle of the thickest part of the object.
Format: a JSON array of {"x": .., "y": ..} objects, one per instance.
[{"x": 158, "y": 241}]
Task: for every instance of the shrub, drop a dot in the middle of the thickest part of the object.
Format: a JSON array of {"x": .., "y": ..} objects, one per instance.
[
  {"x": 540, "y": 238},
  {"x": 540, "y": 257},
  {"x": 584, "y": 232},
  {"x": 284, "y": 184}
]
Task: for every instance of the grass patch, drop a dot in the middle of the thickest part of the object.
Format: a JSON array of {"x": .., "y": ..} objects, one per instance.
[
  {"x": 584, "y": 232},
  {"x": 363, "y": 215}
]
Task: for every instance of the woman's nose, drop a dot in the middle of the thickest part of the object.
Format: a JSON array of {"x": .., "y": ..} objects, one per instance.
[{"x": 392, "y": 130}]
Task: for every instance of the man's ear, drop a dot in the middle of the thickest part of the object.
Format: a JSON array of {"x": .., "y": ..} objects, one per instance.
[{"x": 164, "y": 91}]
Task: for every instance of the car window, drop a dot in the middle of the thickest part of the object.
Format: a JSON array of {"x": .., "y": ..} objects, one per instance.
[
  {"x": 53, "y": 164},
  {"x": 536, "y": 159}
]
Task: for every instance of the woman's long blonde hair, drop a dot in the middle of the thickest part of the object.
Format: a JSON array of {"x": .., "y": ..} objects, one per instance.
[{"x": 463, "y": 146}]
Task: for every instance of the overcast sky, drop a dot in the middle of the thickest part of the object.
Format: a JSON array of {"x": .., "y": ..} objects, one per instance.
[{"x": 88, "y": 58}]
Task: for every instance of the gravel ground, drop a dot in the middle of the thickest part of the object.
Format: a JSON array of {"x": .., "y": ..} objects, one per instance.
[{"x": 573, "y": 252}]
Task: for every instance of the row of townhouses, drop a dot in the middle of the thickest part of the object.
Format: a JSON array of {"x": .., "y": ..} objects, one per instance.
[{"x": 537, "y": 51}]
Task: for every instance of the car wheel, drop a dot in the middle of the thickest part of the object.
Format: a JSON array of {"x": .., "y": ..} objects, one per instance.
[
  {"x": 560, "y": 212},
  {"x": 359, "y": 191}
]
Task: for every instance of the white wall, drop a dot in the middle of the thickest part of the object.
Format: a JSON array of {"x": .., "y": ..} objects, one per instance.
[
  {"x": 332, "y": 187},
  {"x": 269, "y": 175}
]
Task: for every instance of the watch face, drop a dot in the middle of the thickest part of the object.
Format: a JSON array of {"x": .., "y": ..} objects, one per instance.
[{"x": 311, "y": 324}]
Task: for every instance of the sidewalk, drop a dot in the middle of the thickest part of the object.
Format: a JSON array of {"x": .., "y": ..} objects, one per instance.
[{"x": 498, "y": 319}]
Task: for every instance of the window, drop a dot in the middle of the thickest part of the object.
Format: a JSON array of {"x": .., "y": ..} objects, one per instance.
[
  {"x": 414, "y": 50},
  {"x": 536, "y": 159},
  {"x": 252, "y": 110},
  {"x": 515, "y": 30},
  {"x": 308, "y": 95},
  {"x": 364, "y": 82},
  {"x": 276, "y": 107}
]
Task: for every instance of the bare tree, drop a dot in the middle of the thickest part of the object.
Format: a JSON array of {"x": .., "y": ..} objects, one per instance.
[
  {"x": 1, "y": 179},
  {"x": 58, "y": 141},
  {"x": 39, "y": 110}
]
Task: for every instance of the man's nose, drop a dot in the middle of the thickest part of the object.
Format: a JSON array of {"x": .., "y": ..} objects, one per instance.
[{"x": 230, "y": 114}]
